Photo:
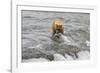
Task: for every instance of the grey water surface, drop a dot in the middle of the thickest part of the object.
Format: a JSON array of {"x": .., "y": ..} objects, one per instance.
[{"x": 36, "y": 36}]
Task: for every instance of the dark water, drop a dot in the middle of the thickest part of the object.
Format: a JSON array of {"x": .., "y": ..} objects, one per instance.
[{"x": 36, "y": 35}]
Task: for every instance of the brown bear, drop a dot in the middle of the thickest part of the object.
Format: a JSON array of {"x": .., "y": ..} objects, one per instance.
[{"x": 57, "y": 27}]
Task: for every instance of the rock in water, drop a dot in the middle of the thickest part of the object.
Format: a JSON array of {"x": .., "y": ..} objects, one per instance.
[
  {"x": 59, "y": 49},
  {"x": 68, "y": 57},
  {"x": 83, "y": 55},
  {"x": 59, "y": 57},
  {"x": 57, "y": 38}
]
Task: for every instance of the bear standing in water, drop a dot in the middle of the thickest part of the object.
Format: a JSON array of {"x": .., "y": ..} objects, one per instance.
[
  {"x": 57, "y": 30},
  {"x": 57, "y": 27}
]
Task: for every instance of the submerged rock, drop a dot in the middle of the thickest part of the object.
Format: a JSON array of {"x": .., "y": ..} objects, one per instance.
[
  {"x": 60, "y": 48},
  {"x": 59, "y": 57},
  {"x": 83, "y": 55}
]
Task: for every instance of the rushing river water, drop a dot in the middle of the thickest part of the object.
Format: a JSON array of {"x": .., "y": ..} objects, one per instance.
[{"x": 37, "y": 44}]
